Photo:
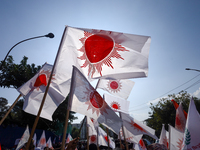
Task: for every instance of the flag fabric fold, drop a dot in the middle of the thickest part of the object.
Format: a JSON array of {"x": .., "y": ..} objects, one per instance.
[
  {"x": 49, "y": 143},
  {"x": 92, "y": 126},
  {"x": 34, "y": 89},
  {"x": 164, "y": 137},
  {"x": 176, "y": 106},
  {"x": 102, "y": 54},
  {"x": 69, "y": 138},
  {"x": 116, "y": 103},
  {"x": 24, "y": 138},
  {"x": 119, "y": 88},
  {"x": 136, "y": 127},
  {"x": 103, "y": 138},
  {"x": 180, "y": 119},
  {"x": 84, "y": 99},
  {"x": 192, "y": 132},
  {"x": 140, "y": 145},
  {"x": 176, "y": 138}
]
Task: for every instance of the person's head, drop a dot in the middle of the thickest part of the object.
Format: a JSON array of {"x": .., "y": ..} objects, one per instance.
[{"x": 93, "y": 147}]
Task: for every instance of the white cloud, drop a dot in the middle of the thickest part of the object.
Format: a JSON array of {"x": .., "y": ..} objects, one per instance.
[{"x": 197, "y": 93}]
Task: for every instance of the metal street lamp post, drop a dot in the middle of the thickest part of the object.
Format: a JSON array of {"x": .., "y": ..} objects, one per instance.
[
  {"x": 50, "y": 35},
  {"x": 192, "y": 69}
]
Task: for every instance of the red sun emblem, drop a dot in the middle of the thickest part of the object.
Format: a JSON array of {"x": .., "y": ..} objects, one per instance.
[
  {"x": 114, "y": 86},
  {"x": 98, "y": 49},
  {"x": 96, "y": 103},
  {"x": 115, "y": 105},
  {"x": 42, "y": 79},
  {"x": 137, "y": 127},
  {"x": 93, "y": 138}
]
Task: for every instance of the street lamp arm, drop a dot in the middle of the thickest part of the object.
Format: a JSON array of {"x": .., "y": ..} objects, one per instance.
[
  {"x": 192, "y": 69},
  {"x": 50, "y": 35}
]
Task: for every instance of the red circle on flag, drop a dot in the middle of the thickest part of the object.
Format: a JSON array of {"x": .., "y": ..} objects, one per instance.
[
  {"x": 97, "y": 47},
  {"x": 93, "y": 138},
  {"x": 96, "y": 99},
  {"x": 114, "y": 85}
]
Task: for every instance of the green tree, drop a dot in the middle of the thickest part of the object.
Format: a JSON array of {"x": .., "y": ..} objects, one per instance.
[
  {"x": 13, "y": 76},
  {"x": 164, "y": 112},
  {"x": 3, "y": 106},
  {"x": 75, "y": 132}
]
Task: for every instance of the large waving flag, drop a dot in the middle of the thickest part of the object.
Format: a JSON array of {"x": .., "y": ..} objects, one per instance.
[
  {"x": 42, "y": 142},
  {"x": 120, "y": 88},
  {"x": 192, "y": 129},
  {"x": 102, "y": 54},
  {"x": 24, "y": 138},
  {"x": 180, "y": 119},
  {"x": 116, "y": 103},
  {"x": 93, "y": 139},
  {"x": 34, "y": 90},
  {"x": 164, "y": 137},
  {"x": 84, "y": 99},
  {"x": 136, "y": 127},
  {"x": 103, "y": 139},
  {"x": 176, "y": 139}
]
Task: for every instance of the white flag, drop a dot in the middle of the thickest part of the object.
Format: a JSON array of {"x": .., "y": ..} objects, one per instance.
[
  {"x": 120, "y": 88},
  {"x": 180, "y": 119},
  {"x": 164, "y": 137},
  {"x": 93, "y": 139},
  {"x": 49, "y": 143},
  {"x": 92, "y": 125},
  {"x": 69, "y": 138},
  {"x": 129, "y": 136},
  {"x": 34, "y": 90},
  {"x": 176, "y": 139},
  {"x": 103, "y": 54},
  {"x": 42, "y": 141},
  {"x": 192, "y": 129},
  {"x": 24, "y": 138},
  {"x": 84, "y": 99},
  {"x": 116, "y": 103},
  {"x": 136, "y": 127},
  {"x": 103, "y": 138}
]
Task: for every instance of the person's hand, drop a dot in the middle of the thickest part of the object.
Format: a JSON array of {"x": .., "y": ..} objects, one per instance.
[{"x": 72, "y": 144}]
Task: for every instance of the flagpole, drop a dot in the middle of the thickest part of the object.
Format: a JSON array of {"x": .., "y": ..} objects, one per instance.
[
  {"x": 87, "y": 136},
  {"x": 107, "y": 138},
  {"x": 11, "y": 107},
  {"x": 169, "y": 130},
  {"x": 120, "y": 140},
  {"x": 123, "y": 132},
  {"x": 44, "y": 97}
]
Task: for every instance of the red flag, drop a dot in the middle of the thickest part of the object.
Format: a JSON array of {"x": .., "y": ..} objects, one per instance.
[{"x": 176, "y": 106}]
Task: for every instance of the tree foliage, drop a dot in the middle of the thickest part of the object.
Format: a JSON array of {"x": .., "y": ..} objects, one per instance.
[
  {"x": 164, "y": 111},
  {"x": 13, "y": 76}
]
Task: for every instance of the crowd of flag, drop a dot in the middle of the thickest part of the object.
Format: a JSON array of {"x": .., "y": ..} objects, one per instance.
[{"x": 112, "y": 58}]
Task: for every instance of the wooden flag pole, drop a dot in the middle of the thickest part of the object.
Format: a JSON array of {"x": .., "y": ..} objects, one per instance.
[
  {"x": 120, "y": 140},
  {"x": 65, "y": 130},
  {"x": 81, "y": 126},
  {"x": 87, "y": 137},
  {"x": 44, "y": 97},
  {"x": 11, "y": 107},
  {"x": 97, "y": 138},
  {"x": 108, "y": 138},
  {"x": 124, "y": 133}
]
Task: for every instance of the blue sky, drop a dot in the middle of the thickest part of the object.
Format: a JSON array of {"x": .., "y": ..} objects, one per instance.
[{"x": 172, "y": 25}]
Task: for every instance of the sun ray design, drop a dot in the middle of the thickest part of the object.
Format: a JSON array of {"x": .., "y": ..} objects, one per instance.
[
  {"x": 95, "y": 102},
  {"x": 98, "y": 49},
  {"x": 180, "y": 144},
  {"x": 114, "y": 86},
  {"x": 42, "y": 79},
  {"x": 93, "y": 138},
  {"x": 115, "y": 105},
  {"x": 137, "y": 127}
]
